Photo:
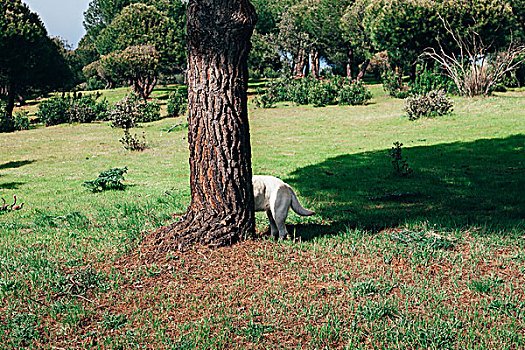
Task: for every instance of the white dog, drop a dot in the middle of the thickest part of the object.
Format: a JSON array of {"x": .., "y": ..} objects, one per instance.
[{"x": 275, "y": 197}]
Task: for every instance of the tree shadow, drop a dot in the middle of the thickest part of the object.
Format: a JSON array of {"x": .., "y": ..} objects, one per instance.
[
  {"x": 15, "y": 164},
  {"x": 480, "y": 183},
  {"x": 11, "y": 185}
]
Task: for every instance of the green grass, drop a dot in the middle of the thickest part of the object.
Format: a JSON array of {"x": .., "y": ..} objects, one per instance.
[{"x": 431, "y": 260}]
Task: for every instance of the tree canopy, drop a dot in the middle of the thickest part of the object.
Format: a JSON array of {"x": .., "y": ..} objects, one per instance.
[{"x": 29, "y": 59}]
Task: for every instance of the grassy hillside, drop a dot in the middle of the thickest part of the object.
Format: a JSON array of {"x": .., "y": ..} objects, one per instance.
[{"x": 430, "y": 260}]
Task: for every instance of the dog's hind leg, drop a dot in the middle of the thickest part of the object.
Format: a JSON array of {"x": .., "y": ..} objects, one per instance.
[
  {"x": 273, "y": 226},
  {"x": 280, "y": 218},
  {"x": 280, "y": 206}
]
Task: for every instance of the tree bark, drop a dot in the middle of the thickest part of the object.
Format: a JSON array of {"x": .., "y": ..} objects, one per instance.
[
  {"x": 315, "y": 63},
  {"x": 305, "y": 64},
  {"x": 299, "y": 65},
  {"x": 222, "y": 206},
  {"x": 362, "y": 69},
  {"x": 11, "y": 93},
  {"x": 349, "y": 56}
]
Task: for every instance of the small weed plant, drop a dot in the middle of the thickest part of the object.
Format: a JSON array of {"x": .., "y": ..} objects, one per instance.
[
  {"x": 107, "y": 180},
  {"x": 129, "y": 111},
  {"x": 377, "y": 310},
  {"x": 420, "y": 239},
  {"x": 132, "y": 142},
  {"x": 400, "y": 163},
  {"x": 112, "y": 322}
]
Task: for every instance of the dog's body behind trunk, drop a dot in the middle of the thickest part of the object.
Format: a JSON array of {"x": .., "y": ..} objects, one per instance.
[{"x": 275, "y": 197}]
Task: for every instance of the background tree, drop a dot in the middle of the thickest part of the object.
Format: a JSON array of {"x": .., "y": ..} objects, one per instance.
[
  {"x": 405, "y": 28},
  {"x": 100, "y": 14},
  {"x": 357, "y": 37},
  {"x": 28, "y": 58},
  {"x": 265, "y": 54},
  {"x": 138, "y": 65},
  {"x": 140, "y": 24},
  {"x": 293, "y": 41},
  {"x": 222, "y": 207}
]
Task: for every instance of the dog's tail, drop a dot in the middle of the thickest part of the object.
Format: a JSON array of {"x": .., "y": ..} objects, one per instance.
[{"x": 297, "y": 207}]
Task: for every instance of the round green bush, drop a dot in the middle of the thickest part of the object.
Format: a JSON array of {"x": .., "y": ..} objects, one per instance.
[
  {"x": 177, "y": 104},
  {"x": 354, "y": 93}
]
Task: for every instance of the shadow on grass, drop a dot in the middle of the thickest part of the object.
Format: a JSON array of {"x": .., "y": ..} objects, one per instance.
[
  {"x": 15, "y": 164},
  {"x": 480, "y": 183},
  {"x": 11, "y": 185}
]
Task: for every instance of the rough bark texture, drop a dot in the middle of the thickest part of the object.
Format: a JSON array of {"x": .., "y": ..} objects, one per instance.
[
  {"x": 144, "y": 86},
  {"x": 301, "y": 63},
  {"x": 362, "y": 70},
  {"x": 315, "y": 63},
  {"x": 349, "y": 56},
  {"x": 222, "y": 206},
  {"x": 10, "y": 100}
]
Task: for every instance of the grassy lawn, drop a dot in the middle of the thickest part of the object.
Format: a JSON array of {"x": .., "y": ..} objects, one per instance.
[{"x": 435, "y": 259}]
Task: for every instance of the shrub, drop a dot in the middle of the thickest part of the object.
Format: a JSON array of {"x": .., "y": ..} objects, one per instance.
[
  {"x": 323, "y": 92},
  {"x": 132, "y": 142},
  {"x": 73, "y": 108},
  {"x": 434, "y": 103},
  {"x": 53, "y": 111},
  {"x": 6, "y": 123},
  {"x": 124, "y": 113},
  {"x": 107, "y": 180},
  {"x": 298, "y": 91},
  {"x": 177, "y": 104},
  {"x": 94, "y": 83},
  {"x": 148, "y": 111},
  {"x": 265, "y": 100},
  {"x": 393, "y": 84},
  {"x": 131, "y": 109},
  {"x": 85, "y": 109},
  {"x": 428, "y": 80},
  {"x": 329, "y": 91},
  {"x": 21, "y": 121},
  {"x": 354, "y": 93}
]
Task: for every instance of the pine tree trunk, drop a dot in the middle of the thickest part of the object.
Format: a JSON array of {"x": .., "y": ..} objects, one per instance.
[
  {"x": 362, "y": 70},
  {"x": 315, "y": 64},
  {"x": 299, "y": 65},
  {"x": 11, "y": 93},
  {"x": 349, "y": 56},
  {"x": 222, "y": 206}
]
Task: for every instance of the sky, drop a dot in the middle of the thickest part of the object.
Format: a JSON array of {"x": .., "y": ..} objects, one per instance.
[{"x": 62, "y": 18}]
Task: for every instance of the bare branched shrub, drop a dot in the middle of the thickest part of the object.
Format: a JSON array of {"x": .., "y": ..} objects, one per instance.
[
  {"x": 432, "y": 104},
  {"x": 475, "y": 69}
]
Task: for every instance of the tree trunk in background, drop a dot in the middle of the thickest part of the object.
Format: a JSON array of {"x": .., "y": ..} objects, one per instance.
[
  {"x": 315, "y": 63},
  {"x": 299, "y": 65},
  {"x": 10, "y": 100},
  {"x": 412, "y": 73},
  {"x": 362, "y": 69},
  {"x": 349, "y": 56},
  {"x": 222, "y": 205},
  {"x": 306, "y": 64}
]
